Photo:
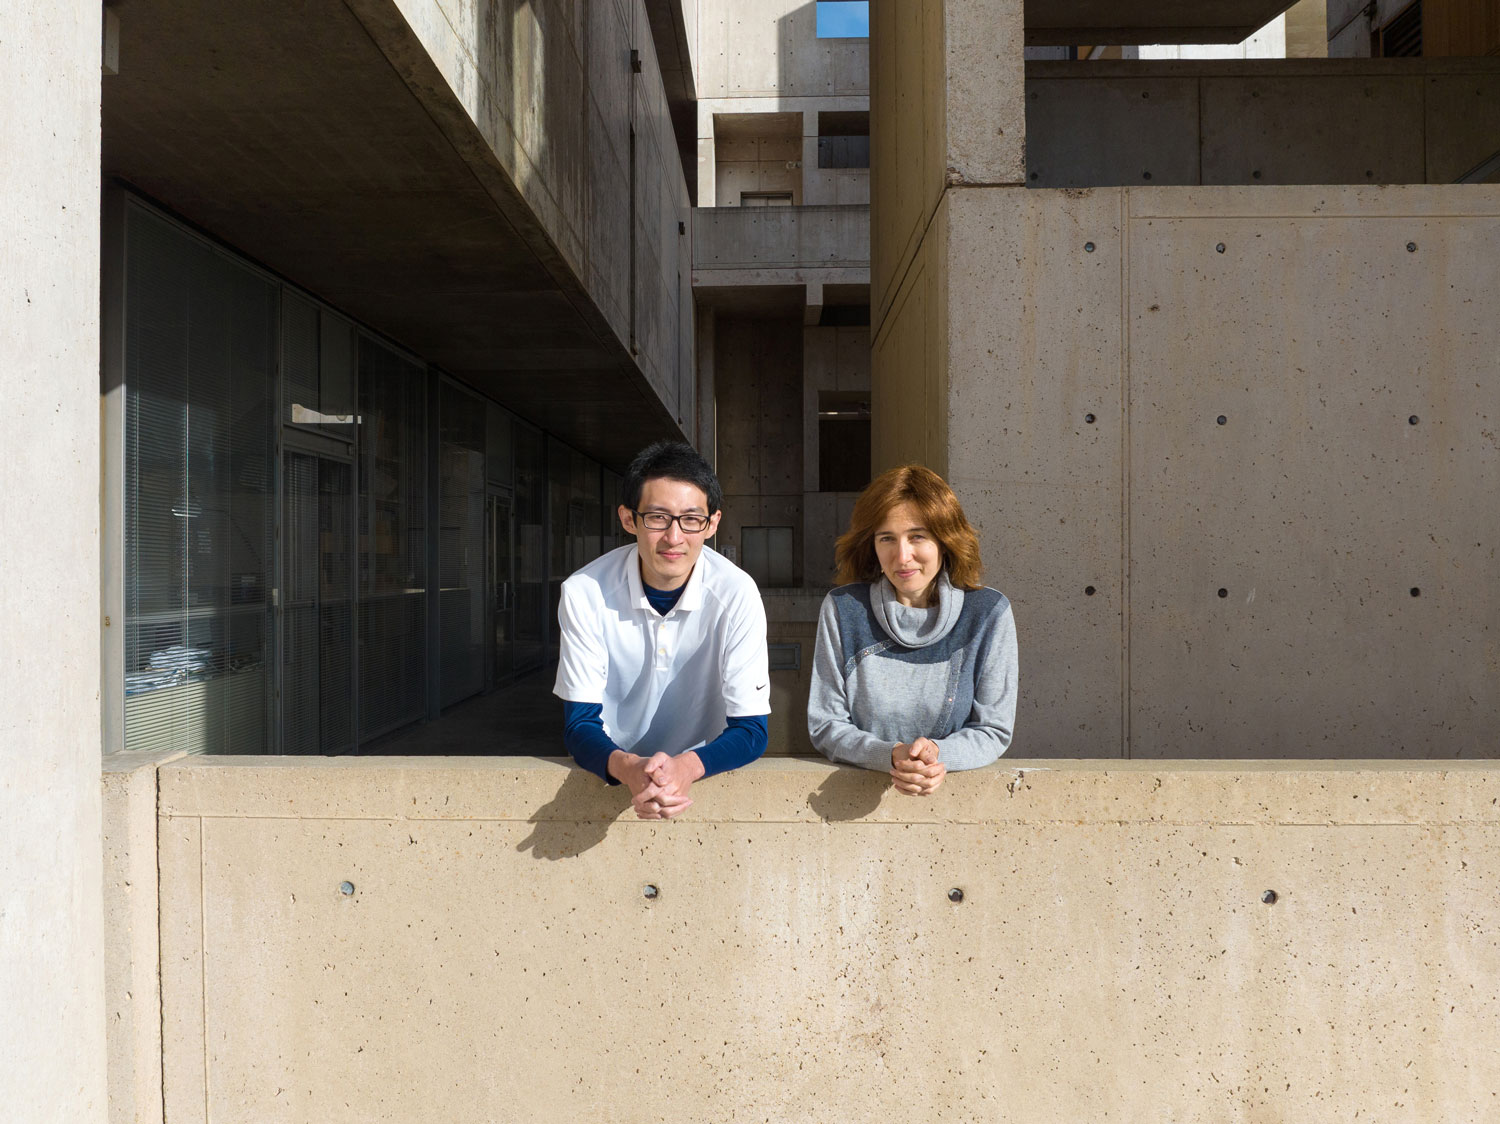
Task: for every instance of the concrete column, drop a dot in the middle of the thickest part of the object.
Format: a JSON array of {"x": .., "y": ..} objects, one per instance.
[{"x": 51, "y": 910}]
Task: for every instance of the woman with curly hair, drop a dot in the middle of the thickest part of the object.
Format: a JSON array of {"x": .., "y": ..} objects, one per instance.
[{"x": 915, "y": 666}]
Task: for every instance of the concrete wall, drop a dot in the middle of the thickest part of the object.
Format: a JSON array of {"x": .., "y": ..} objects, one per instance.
[
  {"x": 1112, "y": 954},
  {"x": 51, "y": 924},
  {"x": 132, "y": 963},
  {"x": 909, "y": 357},
  {"x": 758, "y": 385},
  {"x": 770, "y": 48},
  {"x": 946, "y": 90},
  {"x": 1309, "y": 575},
  {"x": 1344, "y": 505},
  {"x": 763, "y": 57},
  {"x": 1304, "y": 121},
  {"x": 551, "y": 88},
  {"x": 752, "y": 240}
]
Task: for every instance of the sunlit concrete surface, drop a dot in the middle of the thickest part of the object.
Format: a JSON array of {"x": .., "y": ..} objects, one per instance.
[
  {"x": 397, "y": 938},
  {"x": 52, "y": 1065}
]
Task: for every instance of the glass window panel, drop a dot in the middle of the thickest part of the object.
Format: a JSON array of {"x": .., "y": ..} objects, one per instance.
[
  {"x": 461, "y": 543},
  {"x": 201, "y": 341},
  {"x": 530, "y": 547},
  {"x": 392, "y": 540},
  {"x": 498, "y": 445},
  {"x": 299, "y": 359},
  {"x": 336, "y": 361}
]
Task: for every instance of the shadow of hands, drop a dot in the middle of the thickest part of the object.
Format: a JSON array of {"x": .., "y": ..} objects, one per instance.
[
  {"x": 849, "y": 793},
  {"x": 576, "y": 818}
]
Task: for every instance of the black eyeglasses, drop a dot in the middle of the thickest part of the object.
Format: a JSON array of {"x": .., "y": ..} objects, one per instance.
[{"x": 692, "y": 523}]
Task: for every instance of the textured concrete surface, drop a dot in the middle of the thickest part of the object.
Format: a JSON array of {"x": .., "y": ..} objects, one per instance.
[
  {"x": 909, "y": 360},
  {"x": 947, "y": 89},
  {"x": 793, "y": 238},
  {"x": 52, "y": 1052},
  {"x": 770, "y": 48},
  {"x": 1112, "y": 956},
  {"x": 907, "y": 140},
  {"x": 132, "y": 964},
  {"x": 1343, "y": 505},
  {"x": 1035, "y": 334}
]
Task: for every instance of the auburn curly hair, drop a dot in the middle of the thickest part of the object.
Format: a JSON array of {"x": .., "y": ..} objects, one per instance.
[{"x": 941, "y": 514}]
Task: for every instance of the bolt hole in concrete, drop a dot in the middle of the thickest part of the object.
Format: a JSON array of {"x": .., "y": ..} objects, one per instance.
[
  {"x": 1411, "y": 247},
  {"x": 649, "y": 891},
  {"x": 1416, "y": 591},
  {"x": 955, "y": 895},
  {"x": 1220, "y": 247},
  {"x": 346, "y": 888},
  {"x": 1088, "y": 418},
  {"x": 1088, "y": 591},
  {"x": 1223, "y": 593},
  {"x": 1255, "y": 174},
  {"x": 1412, "y": 420},
  {"x": 1221, "y": 419},
  {"x": 1088, "y": 247},
  {"x": 1269, "y": 897},
  {"x": 1033, "y": 175},
  {"x": 1145, "y": 175}
]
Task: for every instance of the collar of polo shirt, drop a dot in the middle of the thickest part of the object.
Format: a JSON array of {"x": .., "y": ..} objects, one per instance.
[{"x": 692, "y": 593}]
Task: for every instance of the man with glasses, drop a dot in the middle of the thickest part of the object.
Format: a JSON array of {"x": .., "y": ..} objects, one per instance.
[{"x": 663, "y": 670}]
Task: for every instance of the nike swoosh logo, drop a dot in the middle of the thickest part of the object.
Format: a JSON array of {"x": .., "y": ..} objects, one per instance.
[{"x": 762, "y": 687}]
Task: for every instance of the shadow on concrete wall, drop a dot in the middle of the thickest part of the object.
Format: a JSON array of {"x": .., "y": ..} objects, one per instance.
[
  {"x": 848, "y": 794},
  {"x": 576, "y": 819}
]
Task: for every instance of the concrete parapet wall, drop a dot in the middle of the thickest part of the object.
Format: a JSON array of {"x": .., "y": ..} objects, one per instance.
[
  {"x": 742, "y": 238},
  {"x": 494, "y": 954},
  {"x": 132, "y": 962},
  {"x": 1282, "y": 122}
]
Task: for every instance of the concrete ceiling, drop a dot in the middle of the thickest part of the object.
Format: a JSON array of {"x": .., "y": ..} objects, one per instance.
[
  {"x": 1068, "y": 23},
  {"x": 749, "y": 126},
  {"x": 281, "y": 128}
]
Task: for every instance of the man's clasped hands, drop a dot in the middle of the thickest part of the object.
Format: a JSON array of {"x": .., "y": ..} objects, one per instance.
[{"x": 658, "y": 784}]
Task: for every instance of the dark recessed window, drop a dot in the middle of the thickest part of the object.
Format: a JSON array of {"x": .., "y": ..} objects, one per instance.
[
  {"x": 844, "y": 139},
  {"x": 765, "y": 199},
  {"x": 1401, "y": 37},
  {"x": 843, "y": 441}
]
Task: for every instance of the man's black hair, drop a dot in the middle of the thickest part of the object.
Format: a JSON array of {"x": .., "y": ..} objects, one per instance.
[{"x": 671, "y": 460}]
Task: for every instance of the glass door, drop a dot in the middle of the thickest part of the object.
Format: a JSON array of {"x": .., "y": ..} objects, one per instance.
[
  {"x": 317, "y": 605},
  {"x": 501, "y": 654}
]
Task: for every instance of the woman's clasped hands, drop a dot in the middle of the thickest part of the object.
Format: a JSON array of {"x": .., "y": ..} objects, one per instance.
[{"x": 915, "y": 768}]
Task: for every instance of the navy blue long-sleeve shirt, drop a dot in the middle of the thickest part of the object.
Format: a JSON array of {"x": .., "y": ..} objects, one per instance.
[{"x": 743, "y": 740}]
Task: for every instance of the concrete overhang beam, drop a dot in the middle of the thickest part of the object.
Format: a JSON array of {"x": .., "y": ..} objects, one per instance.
[
  {"x": 319, "y": 139},
  {"x": 1068, "y": 23}
]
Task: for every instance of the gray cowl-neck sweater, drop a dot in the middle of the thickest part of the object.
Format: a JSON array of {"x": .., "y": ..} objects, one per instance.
[{"x": 885, "y": 673}]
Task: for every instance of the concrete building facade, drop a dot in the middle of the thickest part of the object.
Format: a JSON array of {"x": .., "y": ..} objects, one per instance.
[
  {"x": 1219, "y": 385},
  {"x": 781, "y": 274}
]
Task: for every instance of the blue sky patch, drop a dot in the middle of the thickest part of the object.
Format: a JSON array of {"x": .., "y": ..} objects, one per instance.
[{"x": 843, "y": 19}]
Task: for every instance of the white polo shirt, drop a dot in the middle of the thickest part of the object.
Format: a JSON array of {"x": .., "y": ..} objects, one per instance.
[{"x": 666, "y": 683}]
